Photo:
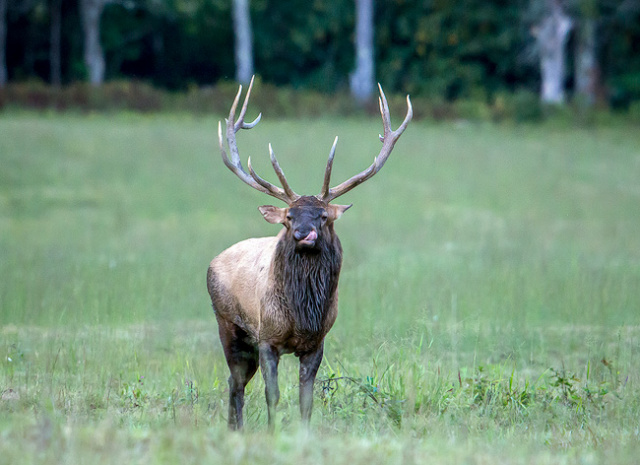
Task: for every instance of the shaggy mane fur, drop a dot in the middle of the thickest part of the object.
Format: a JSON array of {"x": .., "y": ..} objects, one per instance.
[{"x": 309, "y": 281}]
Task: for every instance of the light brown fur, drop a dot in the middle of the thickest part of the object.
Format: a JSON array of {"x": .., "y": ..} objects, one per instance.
[{"x": 242, "y": 273}]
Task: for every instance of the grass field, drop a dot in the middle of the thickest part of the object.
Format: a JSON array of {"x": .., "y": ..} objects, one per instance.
[{"x": 489, "y": 301}]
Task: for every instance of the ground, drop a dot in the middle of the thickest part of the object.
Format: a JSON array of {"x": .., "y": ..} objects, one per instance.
[{"x": 488, "y": 301}]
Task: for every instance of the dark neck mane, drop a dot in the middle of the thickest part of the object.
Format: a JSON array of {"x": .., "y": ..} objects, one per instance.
[{"x": 309, "y": 280}]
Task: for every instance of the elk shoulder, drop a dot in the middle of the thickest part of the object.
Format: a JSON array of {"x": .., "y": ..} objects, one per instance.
[{"x": 238, "y": 278}]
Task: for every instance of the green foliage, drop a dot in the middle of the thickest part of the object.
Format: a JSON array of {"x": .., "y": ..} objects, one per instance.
[
  {"x": 634, "y": 111},
  {"x": 449, "y": 49},
  {"x": 521, "y": 106},
  {"x": 304, "y": 44},
  {"x": 466, "y": 50}
]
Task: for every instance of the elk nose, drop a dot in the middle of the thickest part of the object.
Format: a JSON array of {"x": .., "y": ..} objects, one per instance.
[
  {"x": 300, "y": 234},
  {"x": 304, "y": 235}
]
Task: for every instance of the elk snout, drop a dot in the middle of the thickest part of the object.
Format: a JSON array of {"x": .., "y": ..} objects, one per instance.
[{"x": 305, "y": 237}]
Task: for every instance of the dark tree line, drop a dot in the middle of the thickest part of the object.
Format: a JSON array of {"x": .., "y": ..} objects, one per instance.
[{"x": 585, "y": 49}]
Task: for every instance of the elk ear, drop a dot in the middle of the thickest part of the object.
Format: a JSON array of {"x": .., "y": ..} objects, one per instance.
[
  {"x": 273, "y": 215},
  {"x": 336, "y": 211}
]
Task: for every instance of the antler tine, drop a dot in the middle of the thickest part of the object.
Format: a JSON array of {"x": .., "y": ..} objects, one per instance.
[
  {"x": 384, "y": 111},
  {"x": 266, "y": 185},
  {"x": 407, "y": 118},
  {"x": 283, "y": 180},
  {"x": 388, "y": 139},
  {"x": 327, "y": 173},
  {"x": 235, "y": 165},
  {"x": 240, "y": 124}
]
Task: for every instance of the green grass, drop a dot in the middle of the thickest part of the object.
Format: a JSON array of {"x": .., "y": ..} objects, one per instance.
[{"x": 489, "y": 301}]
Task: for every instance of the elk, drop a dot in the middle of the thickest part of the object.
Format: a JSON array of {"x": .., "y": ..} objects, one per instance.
[{"x": 279, "y": 295}]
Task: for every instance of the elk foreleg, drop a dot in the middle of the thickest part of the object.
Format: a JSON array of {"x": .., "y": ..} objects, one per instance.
[
  {"x": 309, "y": 364},
  {"x": 269, "y": 358}
]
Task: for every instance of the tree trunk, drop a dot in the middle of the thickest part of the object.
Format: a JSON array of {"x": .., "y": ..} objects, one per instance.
[
  {"x": 91, "y": 11},
  {"x": 3, "y": 43},
  {"x": 243, "y": 41},
  {"x": 362, "y": 78},
  {"x": 54, "y": 46},
  {"x": 552, "y": 38},
  {"x": 587, "y": 69}
]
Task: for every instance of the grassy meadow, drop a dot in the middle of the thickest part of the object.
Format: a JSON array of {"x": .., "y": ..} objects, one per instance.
[{"x": 489, "y": 299}]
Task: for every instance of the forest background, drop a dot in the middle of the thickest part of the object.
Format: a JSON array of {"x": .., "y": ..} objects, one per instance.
[{"x": 465, "y": 58}]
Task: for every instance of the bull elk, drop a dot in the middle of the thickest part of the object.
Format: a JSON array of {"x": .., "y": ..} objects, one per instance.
[{"x": 279, "y": 295}]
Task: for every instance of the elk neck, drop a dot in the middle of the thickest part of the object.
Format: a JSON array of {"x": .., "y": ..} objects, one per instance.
[{"x": 307, "y": 281}]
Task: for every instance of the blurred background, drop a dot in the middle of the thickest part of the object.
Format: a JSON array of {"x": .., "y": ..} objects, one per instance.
[{"x": 493, "y": 59}]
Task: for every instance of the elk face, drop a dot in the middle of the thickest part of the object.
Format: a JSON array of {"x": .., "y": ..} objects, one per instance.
[{"x": 308, "y": 220}]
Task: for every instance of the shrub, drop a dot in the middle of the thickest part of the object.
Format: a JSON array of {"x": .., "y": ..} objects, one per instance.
[
  {"x": 634, "y": 111},
  {"x": 287, "y": 102},
  {"x": 526, "y": 106},
  {"x": 473, "y": 110}
]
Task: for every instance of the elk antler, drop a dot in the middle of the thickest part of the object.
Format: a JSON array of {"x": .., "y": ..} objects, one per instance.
[
  {"x": 388, "y": 140},
  {"x": 234, "y": 164}
]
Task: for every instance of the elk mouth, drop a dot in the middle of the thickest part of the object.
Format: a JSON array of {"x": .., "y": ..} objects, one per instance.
[{"x": 308, "y": 241}]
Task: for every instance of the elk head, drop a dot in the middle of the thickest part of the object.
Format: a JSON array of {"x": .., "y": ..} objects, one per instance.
[
  {"x": 305, "y": 217},
  {"x": 307, "y": 220}
]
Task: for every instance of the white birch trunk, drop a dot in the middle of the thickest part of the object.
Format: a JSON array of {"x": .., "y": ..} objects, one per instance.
[
  {"x": 363, "y": 77},
  {"x": 3, "y": 43},
  {"x": 552, "y": 38},
  {"x": 243, "y": 41},
  {"x": 91, "y": 10}
]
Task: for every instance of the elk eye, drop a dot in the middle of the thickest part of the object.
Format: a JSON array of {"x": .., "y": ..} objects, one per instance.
[
  {"x": 325, "y": 217},
  {"x": 289, "y": 217}
]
